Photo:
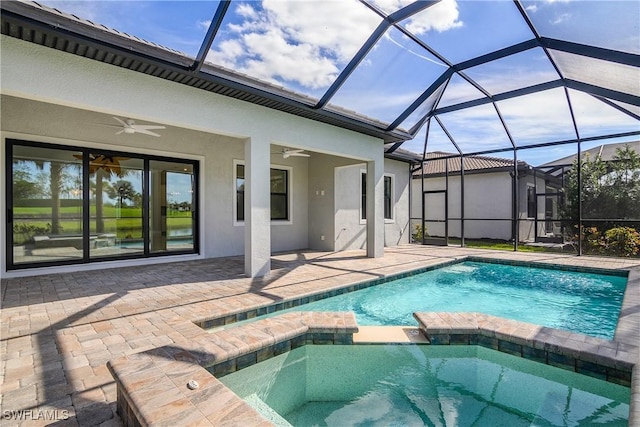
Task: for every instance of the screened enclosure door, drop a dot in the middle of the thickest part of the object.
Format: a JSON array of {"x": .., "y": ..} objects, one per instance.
[{"x": 435, "y": 218}]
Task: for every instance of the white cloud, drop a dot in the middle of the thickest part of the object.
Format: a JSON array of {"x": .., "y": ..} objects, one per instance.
[
  {"x": 307, "y": 43},
  {"x": 561, "y": 18},
  {"x": 295, "y": 41},
  {"x": 204, "y": 25},
  {"x": 440, "y": 17}
]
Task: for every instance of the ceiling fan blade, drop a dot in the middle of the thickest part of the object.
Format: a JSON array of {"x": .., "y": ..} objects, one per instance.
[
  {"x": 298, "y": 152},
  {"x": 119, "y": 132},
  {"x": 145, "y": 132},
  {"x": 119, "y": 121},
  {"x": 138, "y": 128}
]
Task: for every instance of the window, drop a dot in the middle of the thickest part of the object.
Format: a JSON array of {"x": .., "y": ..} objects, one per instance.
[
  {"x": 279, "y": 184},
  {"x": 72, "y": 205},
  {"x": 388, "y": 196},
  {"x": 531, "y": 202}
]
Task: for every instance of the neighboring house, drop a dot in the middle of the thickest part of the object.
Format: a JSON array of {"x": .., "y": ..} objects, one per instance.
[
  {"x": 606, "y": 152},
  {"x": 84, "y": 188},
  {"x": 488, "y": 191}
]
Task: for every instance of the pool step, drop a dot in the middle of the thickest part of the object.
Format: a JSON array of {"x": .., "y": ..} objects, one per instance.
[{"x": 389, "y": 335}]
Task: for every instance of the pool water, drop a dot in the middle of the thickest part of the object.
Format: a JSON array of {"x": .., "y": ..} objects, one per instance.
[
  {"x": 579, "y": 302},
  {"x": 411, "y": 385}
]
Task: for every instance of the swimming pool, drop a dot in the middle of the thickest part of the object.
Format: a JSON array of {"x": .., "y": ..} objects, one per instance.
[
  {"x": 423, "y": 385},
  {"x": 586, "y": 303}
]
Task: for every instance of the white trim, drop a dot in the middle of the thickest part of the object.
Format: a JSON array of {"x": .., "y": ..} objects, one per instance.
[
  {"x": 234, "y": 203},
  {"x": 391, "y": 220}
]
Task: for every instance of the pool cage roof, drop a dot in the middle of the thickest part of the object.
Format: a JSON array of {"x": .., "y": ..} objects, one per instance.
[{"x": 480, "y": 76}]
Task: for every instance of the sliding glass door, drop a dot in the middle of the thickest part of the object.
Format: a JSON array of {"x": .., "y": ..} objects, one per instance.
[
  {"x": 46, "y": 210},
  {"x": 69, "y": 205},
  {"x": 171, "y": 206},
  {"x": 115, "y": 205}
]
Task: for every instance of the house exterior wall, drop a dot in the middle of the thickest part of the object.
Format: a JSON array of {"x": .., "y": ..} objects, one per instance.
[
  {"x": 350, "y": 228},
  {"x": 200, "y": 125},
  {"x": 322, "y": 200},
  {"x": 486, "y": 196}
]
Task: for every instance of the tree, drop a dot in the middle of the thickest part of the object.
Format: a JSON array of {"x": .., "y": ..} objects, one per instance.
[
  {"x": 24, "y": 186},
  {"x": 610, "y": 190},
  {"x": 122, "y": 190}
]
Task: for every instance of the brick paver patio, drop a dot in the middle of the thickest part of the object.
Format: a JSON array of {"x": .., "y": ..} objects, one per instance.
[{"x": 59, "y": 330}]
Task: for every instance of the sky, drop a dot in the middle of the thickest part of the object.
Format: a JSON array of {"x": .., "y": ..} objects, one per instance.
[{"x": 304, "y": 45}]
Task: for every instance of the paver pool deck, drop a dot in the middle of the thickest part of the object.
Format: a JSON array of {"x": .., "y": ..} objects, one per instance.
[{"x": 59, "y": 330}]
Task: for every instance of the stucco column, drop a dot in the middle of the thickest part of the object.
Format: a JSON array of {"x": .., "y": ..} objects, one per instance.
[
  {"x": 257, "y": 208},
  {"x": 375, "y": 208}
]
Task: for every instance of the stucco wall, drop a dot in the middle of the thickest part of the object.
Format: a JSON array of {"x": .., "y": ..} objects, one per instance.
[
  {"x": 322, "y": 200},
  {"x": 486, "y": 195},
  {"x": 220, "y": 235},
  {"x": 61, "y": 98},
  {"x": 350, "y": 229}
]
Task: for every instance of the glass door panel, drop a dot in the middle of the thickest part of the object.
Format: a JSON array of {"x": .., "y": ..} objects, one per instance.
[
  {"x": 115, "y": 205},
  {"x": 171, "y": 206},
  {"x": 46, "y": 205}
]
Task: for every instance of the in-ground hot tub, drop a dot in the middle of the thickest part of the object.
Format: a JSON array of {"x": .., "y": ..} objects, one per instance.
[{"x": 423, "y": 385}]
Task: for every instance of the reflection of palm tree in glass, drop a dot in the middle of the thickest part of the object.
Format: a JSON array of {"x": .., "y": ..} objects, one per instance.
[
  {"x": 56, "y": 186},
  {"x": 56, "y": 170},
  {"x": 122, "y": 190},
  {"x": 103, "y": 166}
]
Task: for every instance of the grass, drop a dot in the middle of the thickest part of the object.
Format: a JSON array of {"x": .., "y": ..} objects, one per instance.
[
  {"x": 124, "y": 222},
  {"x": 500, "y": 245}
]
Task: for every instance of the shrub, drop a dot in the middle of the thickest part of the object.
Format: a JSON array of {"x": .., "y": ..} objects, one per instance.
[
  {"x": 23, "y": 232},
  {"x": 622, "y": 241},
  {"x": 418, "y": 233},
  {"x": 593, "y": 241}
]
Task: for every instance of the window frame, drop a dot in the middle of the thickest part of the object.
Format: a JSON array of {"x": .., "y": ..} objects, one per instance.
[
  {"x": 86, "y": 214},
  {"x": 289, "y": 194},
  {"x": 531, "y": 204},
  {"x": 391, "y": 197}
]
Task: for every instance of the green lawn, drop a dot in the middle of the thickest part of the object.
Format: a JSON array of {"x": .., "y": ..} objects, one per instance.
[
  {"x": 124, "y": 222},
  {"x": 499, "y": 245}
]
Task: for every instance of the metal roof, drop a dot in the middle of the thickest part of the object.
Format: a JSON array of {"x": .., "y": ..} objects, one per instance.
[{"x": 431, "y": 82}]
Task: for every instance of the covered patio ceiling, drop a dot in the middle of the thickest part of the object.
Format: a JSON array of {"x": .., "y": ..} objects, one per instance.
[{"x": 480, "y": 76}]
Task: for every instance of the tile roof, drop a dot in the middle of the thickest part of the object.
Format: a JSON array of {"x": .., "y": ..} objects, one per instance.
[
  {"x": 436, "y": 161},
  {"x": 606, "y": 152}
]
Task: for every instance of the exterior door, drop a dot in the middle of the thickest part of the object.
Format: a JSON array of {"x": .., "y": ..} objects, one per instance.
[{"x": 435, "y": 218}]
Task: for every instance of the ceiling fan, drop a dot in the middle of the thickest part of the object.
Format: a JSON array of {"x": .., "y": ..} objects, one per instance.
[
  {"x": 130, "y": 127},
  {"x": 287, "y": 152}
]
